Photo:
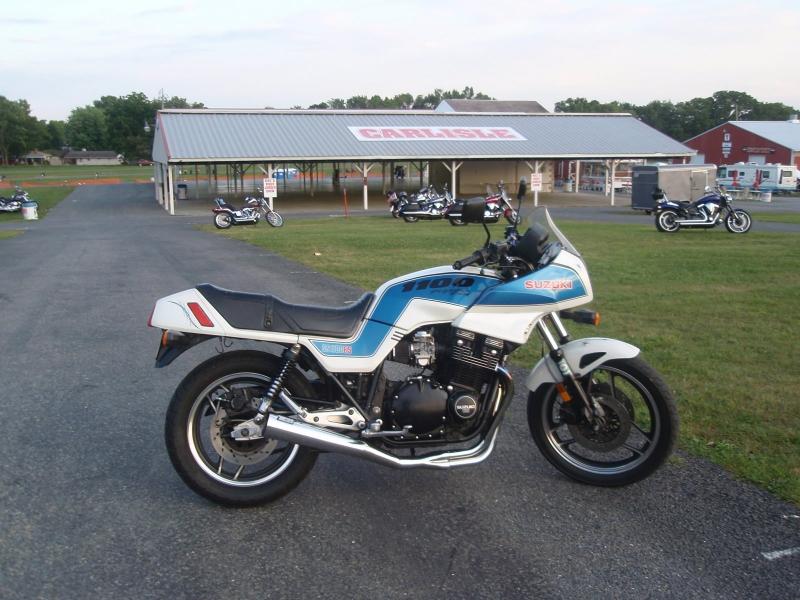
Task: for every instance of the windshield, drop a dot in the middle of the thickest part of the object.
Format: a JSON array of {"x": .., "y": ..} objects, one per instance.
[{"x": 542, "y": 217}]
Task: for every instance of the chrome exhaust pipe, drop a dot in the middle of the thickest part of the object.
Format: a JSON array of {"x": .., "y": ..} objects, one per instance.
[
  {"x": 294, "y": 431},
  {"x": 291, "y": 430}
]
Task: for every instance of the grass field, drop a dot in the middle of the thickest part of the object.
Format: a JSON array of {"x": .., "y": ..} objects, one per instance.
[
  {"x": 714, "y": 312},
  {"x": 47, "y": 198},
  {"x": 64, "y": 174},
  {"x": 772, "y": 217}
]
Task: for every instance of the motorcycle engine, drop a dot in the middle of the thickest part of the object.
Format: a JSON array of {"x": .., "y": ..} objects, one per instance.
[{"x": 445, "y": 401}]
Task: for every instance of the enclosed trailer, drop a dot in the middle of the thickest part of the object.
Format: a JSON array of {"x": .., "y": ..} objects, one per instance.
[
  {"x": 764, "y": 178},
  {"x": 679, "y": 182}
]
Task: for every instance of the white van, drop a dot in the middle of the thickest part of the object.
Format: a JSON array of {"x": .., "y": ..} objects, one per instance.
[{"x": 765, "y": 178}]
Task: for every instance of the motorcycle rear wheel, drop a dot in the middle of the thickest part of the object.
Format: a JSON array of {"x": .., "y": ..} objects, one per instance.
[
  {"x": 200, "y": 416},
  {"x": 738, "y": 221},
  {"x": 222, "y": 220},
  {"x": 667, "y": 221},
  {"x": 638, "y": 435},
  {"x": 410, "y": 219}
]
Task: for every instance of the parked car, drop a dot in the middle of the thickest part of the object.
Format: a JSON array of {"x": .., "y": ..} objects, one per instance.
[{"x": 143, "y": 162}]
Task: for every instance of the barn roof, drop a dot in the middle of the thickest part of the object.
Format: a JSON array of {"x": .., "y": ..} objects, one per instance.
[{"x": 208, "y": 135}]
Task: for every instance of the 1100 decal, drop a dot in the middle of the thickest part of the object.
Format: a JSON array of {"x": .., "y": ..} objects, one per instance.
[{"x": 438, "y": 284}]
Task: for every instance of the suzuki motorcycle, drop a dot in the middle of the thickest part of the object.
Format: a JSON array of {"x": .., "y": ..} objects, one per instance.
[
  {"x": 412, "y": 376},
  {"x": 396, "y": 201},
  {"x": 428, "y": 205},
  {"x": 497, "y": 204},
  {"x": 713, "y": 208},
  {"x": 226, "y": 215}
]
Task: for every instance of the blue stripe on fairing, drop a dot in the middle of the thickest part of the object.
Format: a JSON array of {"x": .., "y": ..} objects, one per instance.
[
  {"x": 515, "y": 292},
  {"x": 394, "y": 300}
]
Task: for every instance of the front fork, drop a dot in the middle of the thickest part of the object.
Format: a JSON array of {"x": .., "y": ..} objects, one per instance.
[{"x": 575, "y": 398}]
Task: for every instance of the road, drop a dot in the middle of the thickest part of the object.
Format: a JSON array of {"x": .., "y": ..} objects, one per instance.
[{"x": 91, "y": 508}]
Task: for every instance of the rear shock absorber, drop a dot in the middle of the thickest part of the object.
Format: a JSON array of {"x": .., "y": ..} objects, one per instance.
[{"x": 289, "y": 360}]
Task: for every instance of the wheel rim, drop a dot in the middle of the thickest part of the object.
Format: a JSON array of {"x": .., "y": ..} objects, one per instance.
[
  {"x": 601, "y": 453},
  {"x": 274, "y": 219},
  {"x": 667, "y": 221},
  {"x": 223, "y": 220},
  {"x": 237, "y": 464},
  {"x": 739, "y": 221}
]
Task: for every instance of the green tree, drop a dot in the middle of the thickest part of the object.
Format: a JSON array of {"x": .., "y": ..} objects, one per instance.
[
  {"x": 57, "y": 135},
  {"x": 87, "y": 128},
  {"x": 19, "y": 131}
]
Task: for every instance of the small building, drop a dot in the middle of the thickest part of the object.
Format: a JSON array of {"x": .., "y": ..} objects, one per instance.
[
  {"x": 37, "y": 157},
  {"x": 92, "y": 157},
  {"x": 759, "y": 142}
]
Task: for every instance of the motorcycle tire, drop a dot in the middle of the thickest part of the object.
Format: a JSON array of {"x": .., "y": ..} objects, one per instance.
[
  {"x": 274, "y": 219},
  {"x": 456, "y": 222},
  {"x": 667, "y": 221},
  {"x": 227, "y": 472},
  {"x": 222, "y": 221},
  {"x": 738, "y": 221},
  {"x": 410, "y": 219},
  {"x": 640, "y": 433}
]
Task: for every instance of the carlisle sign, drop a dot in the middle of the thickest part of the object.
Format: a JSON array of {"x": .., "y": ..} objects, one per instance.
[{"x": 410, "y": 134}]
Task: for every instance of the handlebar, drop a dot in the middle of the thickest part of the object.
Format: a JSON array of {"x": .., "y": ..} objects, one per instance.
[{"x": 492, "y": 252}]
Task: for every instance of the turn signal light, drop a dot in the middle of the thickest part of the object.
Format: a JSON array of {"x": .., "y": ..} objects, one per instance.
[
  {"x": 562, "y": 391},
  {"x": 200, "y": 314}
]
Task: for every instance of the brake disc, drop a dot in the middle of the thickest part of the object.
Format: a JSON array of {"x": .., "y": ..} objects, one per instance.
[
  {"x": 609, "y": 434},
  {"x": 241, "y": 453}
]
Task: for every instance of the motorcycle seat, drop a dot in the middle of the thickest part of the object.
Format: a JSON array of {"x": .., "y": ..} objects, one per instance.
[{"x": 265, "y": 312}]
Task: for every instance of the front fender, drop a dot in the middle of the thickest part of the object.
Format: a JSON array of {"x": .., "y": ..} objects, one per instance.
[{"x": 582, "y": 356}]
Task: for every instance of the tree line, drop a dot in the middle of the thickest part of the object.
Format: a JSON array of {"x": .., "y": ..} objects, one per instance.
[
  {"x": 111, "y": 123},
  {"x": 684, "y": 120},
  {"x": 118, "y": 122}
]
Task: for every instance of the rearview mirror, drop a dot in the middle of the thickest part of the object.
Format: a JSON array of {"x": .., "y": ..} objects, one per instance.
[{"x": 473, "y": 211}]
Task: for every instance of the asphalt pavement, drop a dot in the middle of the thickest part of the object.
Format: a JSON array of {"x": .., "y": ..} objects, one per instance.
[{"x": 90, "y": 506}]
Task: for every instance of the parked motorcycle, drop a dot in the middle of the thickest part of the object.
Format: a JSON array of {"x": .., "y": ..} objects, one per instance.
[
  {"x": 244, "y": 427},
  {"x": 396, "y": 201},
  {"x": 713, "y": 208},
  {"x": 14, "y": 203},
  {"x": 254, "y": 209},
  {"x": 497, "y": 204},
  {"x": 428, "y": 204}
]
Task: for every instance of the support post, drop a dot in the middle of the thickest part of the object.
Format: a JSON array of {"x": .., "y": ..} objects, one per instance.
[
  {"x": 535, "y": 169},
  {"x": 364, "y": 170},
  {"x": 577, "y": 175},
  {"x": 614, "y": 164},
  {"x": 170, "y": 190}
]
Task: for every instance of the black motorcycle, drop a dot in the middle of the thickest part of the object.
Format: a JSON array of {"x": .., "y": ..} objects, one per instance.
[
  {"x": 254, "y": 209},
  {"x": 428, "y": 205},
  {"x": 713, "y": 208}
]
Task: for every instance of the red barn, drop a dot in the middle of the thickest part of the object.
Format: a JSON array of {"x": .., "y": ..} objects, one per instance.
[{"x": 757, "y": 142}]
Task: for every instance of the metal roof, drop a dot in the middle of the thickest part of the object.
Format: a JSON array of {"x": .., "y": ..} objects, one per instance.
[
  {"x": 461, "y": 105},
  {"x": 207, "y": 135},
  {"x": 785, "y": 133}
]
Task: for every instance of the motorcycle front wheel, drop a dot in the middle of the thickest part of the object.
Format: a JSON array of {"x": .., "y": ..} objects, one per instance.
[
  {"x": 738, "y": 221},
  {"x": 219, "y": 393},
  {"x": 222, "y": 220},
  {"x": 667, "y": 221},
  {"x": 274, "y": 219},
  {"x": 410, "y": 219},
  {"x": 635, "y": 436}
]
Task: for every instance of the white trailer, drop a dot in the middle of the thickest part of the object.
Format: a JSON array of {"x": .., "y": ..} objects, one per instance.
[{"x": 764, "y": 178}]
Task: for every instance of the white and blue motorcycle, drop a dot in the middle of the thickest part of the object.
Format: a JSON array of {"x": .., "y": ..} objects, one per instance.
[{"x": 413, "y": 375}]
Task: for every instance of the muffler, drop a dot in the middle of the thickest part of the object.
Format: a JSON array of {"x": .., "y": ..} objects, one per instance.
[{"x": 291, "y": 430}]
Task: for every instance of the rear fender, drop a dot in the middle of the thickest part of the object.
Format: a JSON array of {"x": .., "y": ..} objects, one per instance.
[{"x": 582, "y": 356}]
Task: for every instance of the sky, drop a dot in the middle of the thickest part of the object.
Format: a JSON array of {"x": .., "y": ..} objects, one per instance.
[{"x": 253, "y": 54}]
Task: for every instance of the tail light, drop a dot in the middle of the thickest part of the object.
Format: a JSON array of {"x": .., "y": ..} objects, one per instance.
[{"x": 200, "y": 314}]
